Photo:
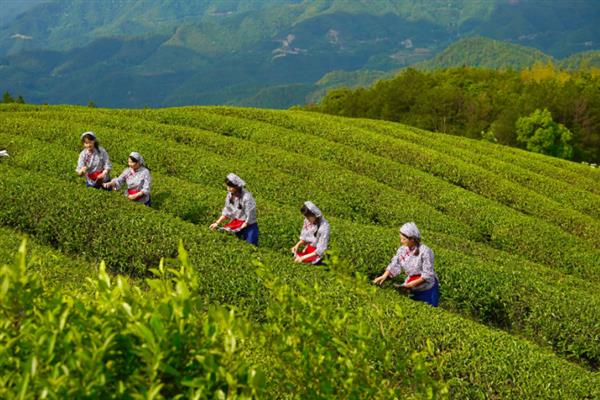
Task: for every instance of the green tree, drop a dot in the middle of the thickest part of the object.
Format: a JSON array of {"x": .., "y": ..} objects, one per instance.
[
  {"x": 337, "y": 101},
  {"x": 20, "y": 100},
  {"x": 7, "y": 98},
  {"x": 541, "y": 134},
  {"x": 91, "y": 104}
]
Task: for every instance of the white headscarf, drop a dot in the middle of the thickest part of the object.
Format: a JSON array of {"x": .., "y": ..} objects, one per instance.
[
  {"x": 410, "y": 230},
  {"x": 236, "y": 180},
  {"x": 92, "y": 134},
  {"x": 137, "y": 156},
  {"x": 313, "y": 209}
]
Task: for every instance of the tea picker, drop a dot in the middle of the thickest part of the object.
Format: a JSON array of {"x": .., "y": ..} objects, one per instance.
[
  {"x": 314, "y": 237},
  {"x": 136, "y": 178},
  {"x": 240, "y": 210},
  {"x": 416, "y": 260},
  {"x": 93, "y": 162}
]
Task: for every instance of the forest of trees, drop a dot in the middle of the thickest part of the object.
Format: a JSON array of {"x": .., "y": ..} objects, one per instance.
[
  {"x": 8, "y": 98},
  {"x": 560, "y": 109}
]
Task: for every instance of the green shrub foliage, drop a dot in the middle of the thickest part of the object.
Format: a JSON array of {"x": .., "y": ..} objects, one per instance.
[
  {"x": 117, "y": 341},
  {"x": 295, "y": 324},
  {"x": 467, "y": 101}
]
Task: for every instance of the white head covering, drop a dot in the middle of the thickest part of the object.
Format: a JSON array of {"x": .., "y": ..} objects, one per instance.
[
  {"x": 313, "y": 209},
  {"x": 236, "y": 180},
  {"x": 92, "y": 134},
  {"x": 3, "y": 153},
  {"x": 137, "y": 156},
  {"x": 410, "y": 230}
]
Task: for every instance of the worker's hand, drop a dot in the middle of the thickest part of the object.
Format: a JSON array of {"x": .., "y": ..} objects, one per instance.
[
  {"x": 295, "y": 249},
  {"x": 83, "y": 170},
  {"x": 100, "y": 177},
  {"x": 379, "y": 280},
  {"x": 107, "y": 185},
  {"x": 214, "y": 226},
  {"x": 298, "y": 259}
]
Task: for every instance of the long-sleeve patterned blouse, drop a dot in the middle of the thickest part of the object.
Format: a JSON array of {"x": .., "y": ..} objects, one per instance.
[
  {"x": 421, "y": 264},
  {"x": 139, "y": 180},
  {"x": 240, "y": 207},
  {"x": 96, "y": 161},
  {"x": 317, "y": 235}
]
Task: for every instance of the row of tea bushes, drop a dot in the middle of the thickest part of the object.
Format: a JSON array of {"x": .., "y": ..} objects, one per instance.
[
  {"x": 359, "y": 199},
  {"x": 578, "y": 192},
  {"x": 502, "y": 227},
  {"x": 130, "y": 247},
  {"x": 444, "y": 164}
]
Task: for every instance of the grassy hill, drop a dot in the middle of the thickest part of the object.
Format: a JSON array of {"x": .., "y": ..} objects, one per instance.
[
  {"x": 584, "y": 60},
  {"x": 515, "y": 234},
  {"x": 483, "y": 52}
]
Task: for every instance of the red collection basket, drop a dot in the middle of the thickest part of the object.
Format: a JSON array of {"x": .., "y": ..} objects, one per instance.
[
  {"x": 94, "y": 175},
  {"x": 307, "y": 250},
  {"x": 412, "y": 278},
  {"x": 134, "y": 191},
  {"x": 234, "y": 225}
]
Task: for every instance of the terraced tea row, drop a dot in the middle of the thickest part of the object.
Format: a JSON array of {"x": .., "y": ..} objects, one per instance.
[
  {"x": 502, "y": 227},
  {"x": 449, "y": 168},
  {"x": 483, "y": 287},
  {"x": 478, "y": 361}
]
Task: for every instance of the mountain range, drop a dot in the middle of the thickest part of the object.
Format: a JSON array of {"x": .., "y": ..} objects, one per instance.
[{"x": 270, "y": 53}]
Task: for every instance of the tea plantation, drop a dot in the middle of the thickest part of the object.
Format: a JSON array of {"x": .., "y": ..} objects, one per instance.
[{"x": 109, "y": 299}]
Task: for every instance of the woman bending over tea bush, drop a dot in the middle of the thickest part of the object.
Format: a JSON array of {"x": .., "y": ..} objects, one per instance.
[
  {"x": 416, "y": 260},
  {"x": 240, "y": 209},
  {"x": 138, "y": 180},
  {"x": 314, "y": 236}
]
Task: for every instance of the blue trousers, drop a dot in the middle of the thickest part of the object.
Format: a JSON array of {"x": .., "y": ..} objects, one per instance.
[
  {"x": 249, "y": 234},
  {"x": 430, "y": 296}
]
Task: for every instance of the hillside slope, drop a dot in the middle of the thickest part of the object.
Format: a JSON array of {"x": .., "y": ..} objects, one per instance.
[
  {"x": 482, "y": 52},
  {"x": 518, "y": 303}
]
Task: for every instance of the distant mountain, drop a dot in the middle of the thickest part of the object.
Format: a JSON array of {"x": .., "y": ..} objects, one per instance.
[
  {"x": 126, "y": 53},
  {"x": 472, "y": 52},
  {"x": 588, "y": 59},
  {"x": 483, "y": 52},
  {"x": 10, "y": 9}
]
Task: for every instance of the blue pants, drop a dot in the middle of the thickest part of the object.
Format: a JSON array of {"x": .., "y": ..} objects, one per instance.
[
  {"x": 430, "y": 296},
  {"x": 320, "y": 262},
  {"x": 249, "y": 234}
]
